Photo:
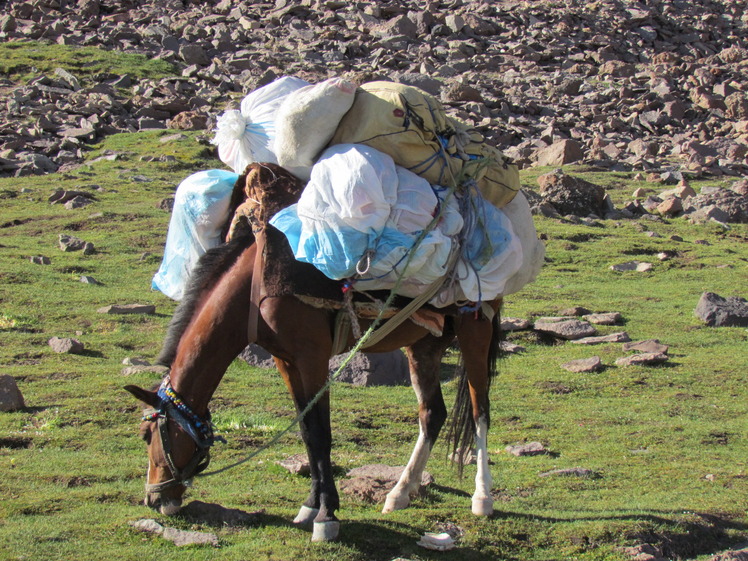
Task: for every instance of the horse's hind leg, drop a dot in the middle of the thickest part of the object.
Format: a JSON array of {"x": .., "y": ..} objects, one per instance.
[
  {"x": 424, "y": 358},
  {"x": 476, "y": 336}
]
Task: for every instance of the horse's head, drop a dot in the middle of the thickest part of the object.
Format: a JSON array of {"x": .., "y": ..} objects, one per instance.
[{"x": 178, "y": 447}]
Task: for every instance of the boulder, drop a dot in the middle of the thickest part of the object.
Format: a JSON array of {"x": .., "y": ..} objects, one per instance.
[
  {"x": 572, "y": 195},
  {"x": 373, "y": 369},
  {"x": 66, "y": 345},
  {"x": 11, "y": 398},
  {"x": 592, "y": 364},
  {"x": 717, "y": 311},
  {"x": 560, "y": 153}
]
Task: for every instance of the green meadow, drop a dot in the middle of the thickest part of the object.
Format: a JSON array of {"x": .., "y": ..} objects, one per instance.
[{"x": 666, "y": 445}]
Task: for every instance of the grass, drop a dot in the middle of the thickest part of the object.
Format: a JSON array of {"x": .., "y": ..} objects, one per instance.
[
  {"x": 667, "y": 444},
  {"x": 24, "y": 60}
]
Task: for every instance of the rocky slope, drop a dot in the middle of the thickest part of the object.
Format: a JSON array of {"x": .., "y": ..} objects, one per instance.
[{"x": 651, "y": 86}]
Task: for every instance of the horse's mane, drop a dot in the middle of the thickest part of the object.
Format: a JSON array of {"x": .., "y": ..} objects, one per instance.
[{"x": 204, "y": 276}]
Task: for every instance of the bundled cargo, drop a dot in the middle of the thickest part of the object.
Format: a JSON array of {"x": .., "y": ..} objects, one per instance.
[
  {"x": 361, "y": 217},
  {"x": 201, "y": 205},
  {"x": 413, "y": 128},
  {"x": 248, "y": 135},
  {"x": 381, "y": 160}
]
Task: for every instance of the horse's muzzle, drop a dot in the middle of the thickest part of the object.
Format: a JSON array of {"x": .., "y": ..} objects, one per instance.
[{"x": 166, "y": 506}]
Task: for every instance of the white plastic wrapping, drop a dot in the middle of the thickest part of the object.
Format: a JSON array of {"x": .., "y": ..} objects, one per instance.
[
  {"x": 360, "y": 217},
  {"x": 248, "y": 135},
  {"x": 307, "y": 120}
]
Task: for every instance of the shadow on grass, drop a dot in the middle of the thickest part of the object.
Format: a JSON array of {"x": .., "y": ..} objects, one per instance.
[
  {"x": 386, "y": 540},
  {"x": 680, "y": 534},
  {"x": 376, "y": 540}
]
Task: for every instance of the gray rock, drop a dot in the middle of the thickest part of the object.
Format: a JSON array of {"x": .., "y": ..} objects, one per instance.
[
  {"x": 717, "y": 311},
  {"x": 147, "y": 309},
  {"x": 638, "y": 266},
  {"x": 592, "y": 364},
  {"x": 642, "y": 359},
  {"x": 158, "y": 369},
  {"x": 574, "y": 312},
  {"x": 606, "y": 318},
  {"x": 254, "y": 355},
  {"x": 569, "y": 329},
  {"x": 78, "y": 202},
  {"x": 511, "y": 348},
  {"x": 528, "y": 449},
  {"x": 71, "y": 243},
  {"x": 183, "y": 538},
  {"x": 194, "y": 54},
  {"x": 572, "y": 195},
  {"x": 298, "y": 464},
  {"x": 647, "y": 346},
  {"x": 40, "y": 260},
  {"x": 621, "y": 337},
  {"x": 373, "y": 369},
  {"x": 722, "y": 205},
  {"x": 560, "y": 153},
  {"x": 515, "y": 324},
  {"x": 11, "y": 398},
  {"x": 66, "y": 345}
]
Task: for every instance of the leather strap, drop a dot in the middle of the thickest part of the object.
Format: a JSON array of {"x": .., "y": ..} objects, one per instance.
[{"x": 257, "y": 292}]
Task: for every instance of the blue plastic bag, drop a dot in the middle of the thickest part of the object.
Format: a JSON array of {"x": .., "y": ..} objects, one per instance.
[{"x": 201, "y": 205}]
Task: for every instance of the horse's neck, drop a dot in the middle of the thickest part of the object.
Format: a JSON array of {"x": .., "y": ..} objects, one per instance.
[{"x": 195, "y": 390}]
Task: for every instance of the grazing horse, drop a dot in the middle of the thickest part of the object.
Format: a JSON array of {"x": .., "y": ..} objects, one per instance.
[{"x": 209, "y": 330}]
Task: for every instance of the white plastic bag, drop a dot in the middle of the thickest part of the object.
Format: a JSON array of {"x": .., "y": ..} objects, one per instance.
[
  {"x": 201, "y": 206},
  {"x": 342, "y": 210},
  {"x": 307, "y": 120},
  {"x": 533, "y": 250},
  {"x": 248, "y": 135}
]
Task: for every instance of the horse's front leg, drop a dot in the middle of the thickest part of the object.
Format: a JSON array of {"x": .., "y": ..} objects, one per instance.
[
  {"x": 424, "y": 359},
  {"x": 319, "y": 509}
]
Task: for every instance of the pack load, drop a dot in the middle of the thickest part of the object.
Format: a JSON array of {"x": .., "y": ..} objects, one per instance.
[
  {"x": 412, "y": 127},
  {"x": 362, "y": 217},
  {"x": 248, "y": 135},
  {"x": 307, "y": 120},
  {"x": 382, "y": 161},
  {"x": 201, "y": 205}
]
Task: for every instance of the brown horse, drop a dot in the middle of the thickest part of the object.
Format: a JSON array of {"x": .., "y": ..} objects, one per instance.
[{"x": 209, "y": 330}]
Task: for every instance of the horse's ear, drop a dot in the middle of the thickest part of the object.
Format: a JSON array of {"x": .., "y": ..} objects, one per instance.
[{"x": 149, "y": 398}]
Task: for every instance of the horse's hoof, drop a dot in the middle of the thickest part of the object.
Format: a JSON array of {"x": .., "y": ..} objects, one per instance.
[
  {"x": 482, "y": 506},
  {"x": 398, "y": 502},
  {"x": 325, "y": 531},
  {"x": 306, "y": 517}
]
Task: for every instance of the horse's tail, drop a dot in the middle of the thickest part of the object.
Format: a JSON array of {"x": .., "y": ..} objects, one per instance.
[{"x": 461, "y": 430}]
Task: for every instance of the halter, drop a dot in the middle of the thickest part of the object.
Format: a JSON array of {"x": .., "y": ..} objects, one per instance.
[{"x": 172, "y": 407}]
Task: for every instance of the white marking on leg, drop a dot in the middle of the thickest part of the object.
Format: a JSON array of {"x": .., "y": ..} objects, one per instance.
[
  {"x": 306, "y": 516},
  {"x": 325, "y": 531},
  {"x": 482, "y": 501},
  {"x": 410, "y": 480}
]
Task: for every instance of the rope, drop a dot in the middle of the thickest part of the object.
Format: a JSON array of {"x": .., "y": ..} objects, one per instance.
[{"x": 362, "y": 341}]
